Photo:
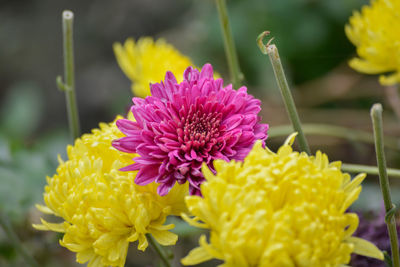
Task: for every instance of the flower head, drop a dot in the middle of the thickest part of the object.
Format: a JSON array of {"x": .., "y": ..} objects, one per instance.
[
  {"x": 376, "y": 34},
  {"x": 183, "y": 125},
  {"x": 146, "y": 62},
  {"x": 102, "y": 208},
  {"x": 277, "y": 209}
]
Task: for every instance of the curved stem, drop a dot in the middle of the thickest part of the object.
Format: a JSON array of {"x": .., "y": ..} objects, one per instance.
[
  {"x": 158, "y": 249},
  {"x": 356, "y": 168},
  {"x": 12, "y": 236},
  {"x": 376, "y": 116},
  {"x": 280, "y": 77},
  {"x": 230, "y": 50},
  {"x": 334, "y": 131}
]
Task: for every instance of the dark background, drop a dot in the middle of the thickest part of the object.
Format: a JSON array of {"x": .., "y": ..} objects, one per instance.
[{"x": 33, "y": 124}]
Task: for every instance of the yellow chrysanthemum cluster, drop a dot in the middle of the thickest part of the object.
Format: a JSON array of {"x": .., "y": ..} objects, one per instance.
[
  {"x": 376, "y": 34},
  {"x": 103, "y": 209},
  {"x": 277, "y": 209},
  {"x": 146, "y": 62}
]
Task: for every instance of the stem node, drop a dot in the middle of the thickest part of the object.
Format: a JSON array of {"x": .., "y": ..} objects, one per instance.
[
  {"x": 61, "y": 85},
  {"x": 390, "y": 213}
]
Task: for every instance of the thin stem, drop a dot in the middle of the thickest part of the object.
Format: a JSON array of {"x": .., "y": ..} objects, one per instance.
[
  {"x": 12, "y": 236},
  {"x": 69, "y": 75},
  {"x": 334, "y": 131},
  {"x": 280, "y": 77},
  {"x": 230, "y": 50},
  {"x": 376, "y": 116},
  {"x": 356, "y": 168},
  {"x": 342, "y": 132},
  {"x": 158, "y": 249}
]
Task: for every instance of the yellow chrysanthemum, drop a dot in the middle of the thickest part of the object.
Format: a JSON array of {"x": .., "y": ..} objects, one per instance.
[
  {"x": 146, "y": 62},
  {"x": 103, "y": 209},
  {"x": 277, "y": 209},
  {"x": 376, "y": 34}
]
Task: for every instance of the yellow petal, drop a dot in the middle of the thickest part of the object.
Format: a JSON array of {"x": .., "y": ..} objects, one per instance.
[
  {"x": 290, "y": 139},
  {"x": 133, "y": 237},
  {"x": 350, "y": 34},
  {"x": 351, "y": 197},
  {"x": 390, "y": 79},
  {"x": 165, "y": 238},
  {"x": 85, "y": 255},
  {"x": 45, "y": 226},
  {"x": 123, "y": 60},
  {"x": 210, "y": 249},
  {"x": 196, "y": 256},
  {"x": 355, "y": 182},
  {"x": 162, "y": 227},
  {"x": 352, "y": 220},
  {"x": 44, "y": 209},
  {"x": 365, "y": 248},
  {"x": 194, "y": 221},
  {"x": 95, "y": 262},
  {"x": 75, "y": 247},
  {"x": 206, "y": 171},
  {"x": 366, "y": 66},
  {"x": 143, "y": 243}
]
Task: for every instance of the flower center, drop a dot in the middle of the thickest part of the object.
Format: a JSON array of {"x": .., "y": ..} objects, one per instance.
[{"x": 199, "y": 129}]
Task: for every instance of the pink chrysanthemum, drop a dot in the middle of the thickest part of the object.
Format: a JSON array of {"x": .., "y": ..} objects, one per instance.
[{"x": 181, "y": 126}]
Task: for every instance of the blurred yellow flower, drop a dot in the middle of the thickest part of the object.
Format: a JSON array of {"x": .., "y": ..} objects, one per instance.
[
  {"x": 277, "y": 209},
  {"x": 376, "y": 34},
  {"x": 103, "y": 209},
  {"x": 146, "y": 62}
]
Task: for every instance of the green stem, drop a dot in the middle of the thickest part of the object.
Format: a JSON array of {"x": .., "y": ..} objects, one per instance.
[
  {"x": 334, "y": 131},
  {"x": 342, "y": 132},
  {"x": 280, "y": 77},
  {"x": 158, "y": 249},
  {"x": 231, "y": 55},
  {"x": 376, "y": 115},
  {"x": 12, "y": 236},
  {"x": 69, "y": 86},
  {"x": 356, "y": 168}
]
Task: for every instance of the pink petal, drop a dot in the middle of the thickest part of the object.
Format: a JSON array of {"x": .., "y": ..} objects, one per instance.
[
  {"x": 146, "y": 174},
  {"x": 128, "y": 127}
]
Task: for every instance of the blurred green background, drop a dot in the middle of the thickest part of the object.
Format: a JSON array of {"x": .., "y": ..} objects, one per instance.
[{"x": 33, "y": 124}]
